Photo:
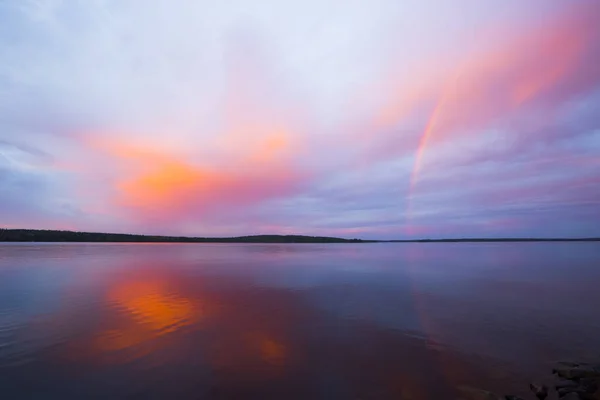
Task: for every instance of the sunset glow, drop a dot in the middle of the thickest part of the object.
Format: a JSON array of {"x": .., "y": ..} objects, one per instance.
[{"x": 406, "y": 120}]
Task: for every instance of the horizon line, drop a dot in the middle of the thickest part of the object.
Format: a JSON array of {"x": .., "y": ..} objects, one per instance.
[{"x": 105, "y": 236}]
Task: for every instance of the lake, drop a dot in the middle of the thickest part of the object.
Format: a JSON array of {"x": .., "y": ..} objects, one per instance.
[{"x": 292, "y": 321}]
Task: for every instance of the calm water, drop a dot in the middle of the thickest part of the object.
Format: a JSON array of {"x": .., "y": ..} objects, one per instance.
[{"x": 351, "y": 321}]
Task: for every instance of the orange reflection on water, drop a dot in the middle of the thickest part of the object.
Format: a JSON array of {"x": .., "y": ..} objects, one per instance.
[
  {"x": 249, "y": 340},
  {"x": 147, "y": 310},
  {"x": 273, "y": 352},
  {"x": 269, "y": 349},
  {"x": 149, "y": 303}
]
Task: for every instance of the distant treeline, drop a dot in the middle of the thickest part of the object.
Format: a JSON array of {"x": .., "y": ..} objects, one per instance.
[
  {"x": 477, "y": 240},
  {"x": 35, "y": 235}
]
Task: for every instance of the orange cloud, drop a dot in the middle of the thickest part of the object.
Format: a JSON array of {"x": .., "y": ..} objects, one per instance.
[
  {"x": 166, "y": 183},
  {"x": 161, "y": 184}
]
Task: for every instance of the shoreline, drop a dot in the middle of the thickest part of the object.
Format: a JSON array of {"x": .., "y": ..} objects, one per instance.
[
  {"x": 572, "y": 381},
  {"x": 58, "y": 236}
]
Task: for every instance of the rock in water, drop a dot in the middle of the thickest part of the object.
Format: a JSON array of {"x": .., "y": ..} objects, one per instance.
[
  {"x": 566, "y": 384},
  {"x": 570, "y": 389},
  {"x": 595, "y": 395},
  {"x": 569, "y": 370},
  {"x": 590, "y": 384},
  {"x": 540, "y": 391}
]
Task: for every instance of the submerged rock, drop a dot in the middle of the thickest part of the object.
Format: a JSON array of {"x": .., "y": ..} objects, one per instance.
[
  {"x": 570, "y": 389},
  {"x": 565, "y": 384},
  {"x": 581, "y": 381},
  {"x": 569, "y": 370},
  {"x": 595, "y": 395},
  {"x": 585, "y": 388},
  {"x": 540, "y": 391},
  {"x": 571, "y": 396}
]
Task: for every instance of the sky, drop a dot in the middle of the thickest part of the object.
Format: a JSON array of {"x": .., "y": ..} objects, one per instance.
[{"x": 354, "y": 118}]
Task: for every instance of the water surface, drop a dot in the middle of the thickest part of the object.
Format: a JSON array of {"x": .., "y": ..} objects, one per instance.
[{"x": 291, "y": 321}]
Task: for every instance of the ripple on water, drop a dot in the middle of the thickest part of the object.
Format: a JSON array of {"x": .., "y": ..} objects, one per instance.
[
  {"x": 152, "y": 306},
  {"x": 141, "y": 313},
  {"x": 15, "y": 348}
]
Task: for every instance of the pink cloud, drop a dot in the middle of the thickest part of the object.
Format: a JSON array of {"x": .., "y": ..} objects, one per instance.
[
  {"x": 519, "y": 71},
  {"x": 156, "y": 186}
]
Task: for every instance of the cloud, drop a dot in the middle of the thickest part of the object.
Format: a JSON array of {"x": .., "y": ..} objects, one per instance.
[
  {"x": 393, "y": 119},
  {"x": 27, "y": 200},
  {"x": 161, "y": 187},
  {"x": 519, "y": 73}
]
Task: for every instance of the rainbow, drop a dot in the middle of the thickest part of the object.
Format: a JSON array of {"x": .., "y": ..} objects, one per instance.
[{"x": 430, "y": 127}]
